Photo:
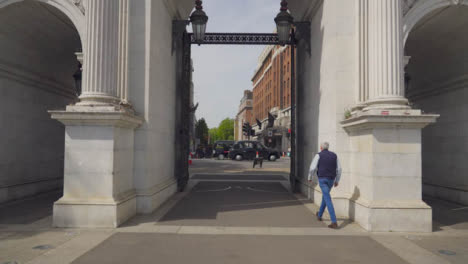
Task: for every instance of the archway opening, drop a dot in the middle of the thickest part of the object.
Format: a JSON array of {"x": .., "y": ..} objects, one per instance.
[
  {"x": 437, "y": 82},
  {"x": 226, "y": 172},
  {"x": 39, "y": 71}
]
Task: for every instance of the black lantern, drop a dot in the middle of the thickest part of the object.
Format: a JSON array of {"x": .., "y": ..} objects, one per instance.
[
  {"x": 284, "y": 22},
  {"x": 199, "y": 20}
]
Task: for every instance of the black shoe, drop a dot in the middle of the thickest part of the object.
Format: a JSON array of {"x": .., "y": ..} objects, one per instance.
[
  {"x": 318, "y": 217},
  {"x": 333, "y": 226}
]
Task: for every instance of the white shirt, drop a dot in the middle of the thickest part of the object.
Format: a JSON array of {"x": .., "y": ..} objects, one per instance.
[{"x": 314, "y": 166}]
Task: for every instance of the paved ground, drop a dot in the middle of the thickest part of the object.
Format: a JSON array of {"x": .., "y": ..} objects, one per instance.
[
  {"x": 202, "y": 249},
  {"x": 253, "y": 204},
  {"x": 230, "y": 214},
  {"x": 29, "y": 210}
]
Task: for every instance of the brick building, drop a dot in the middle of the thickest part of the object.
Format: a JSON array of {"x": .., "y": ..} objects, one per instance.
[
  {"x": 272, "y": 94},
  {"x": 272, "y": 81}
]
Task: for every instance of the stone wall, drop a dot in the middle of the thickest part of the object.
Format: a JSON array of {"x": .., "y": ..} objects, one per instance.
[
  {"x": 152, "y": 92},
  {"x": 439, "y": 84},
  {"x": 37, "y": 64},
  {"x": 445, "y": 146},
  {"x": 328, "y": 84}
]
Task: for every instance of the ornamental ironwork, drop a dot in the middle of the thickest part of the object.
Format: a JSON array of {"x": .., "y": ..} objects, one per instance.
[{"x": 238, "y": 39}]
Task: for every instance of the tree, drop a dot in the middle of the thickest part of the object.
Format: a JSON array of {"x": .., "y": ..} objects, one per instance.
[
  {"x": 226, "y": 129},
  {"x": 213, "y": 135},
  {"x": 201, "y": 131}
]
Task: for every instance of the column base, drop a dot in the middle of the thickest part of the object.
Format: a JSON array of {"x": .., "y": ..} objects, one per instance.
[
  {"x": 98, "y": 171},
  {"x": 150, "y": 199},
  {"x": 385, "y": 155},
  {"x": 97, "y": 99},
  {"x": 93, "y": 214},
  {"x": 379, "y": 216},
  {"x": 387, "y": 103},
  {"x": 392, "y": 216}
]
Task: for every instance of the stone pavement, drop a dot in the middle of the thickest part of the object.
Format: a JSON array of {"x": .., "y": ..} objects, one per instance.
[{"x": 237, "y": 218}]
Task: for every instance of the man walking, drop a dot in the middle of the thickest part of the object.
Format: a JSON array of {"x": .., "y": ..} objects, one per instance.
[{"x": 328, "y": 169}]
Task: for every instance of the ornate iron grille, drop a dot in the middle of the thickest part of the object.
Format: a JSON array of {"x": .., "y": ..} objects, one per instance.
[{"x": 238, "y": 39}]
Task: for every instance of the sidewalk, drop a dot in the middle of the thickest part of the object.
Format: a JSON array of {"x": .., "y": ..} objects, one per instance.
[{"x": 227, "y": 222}]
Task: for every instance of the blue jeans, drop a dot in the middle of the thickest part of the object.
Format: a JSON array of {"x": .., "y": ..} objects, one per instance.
[{"x": 326, "y": 184}]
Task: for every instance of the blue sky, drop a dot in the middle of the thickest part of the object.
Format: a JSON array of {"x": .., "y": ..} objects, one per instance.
[{"x": 222, "y": 73}]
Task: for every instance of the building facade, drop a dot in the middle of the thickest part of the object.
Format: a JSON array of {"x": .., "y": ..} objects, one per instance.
[
  {"x": 272, "y": 95},
  {"x": 244, "y": 115},
  {"x": 115, "y": 144}
]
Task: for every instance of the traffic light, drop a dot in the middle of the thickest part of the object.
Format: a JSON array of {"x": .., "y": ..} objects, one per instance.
[
  {"x": 245, "y": 128},
  {"x": 252, "y": 132}
]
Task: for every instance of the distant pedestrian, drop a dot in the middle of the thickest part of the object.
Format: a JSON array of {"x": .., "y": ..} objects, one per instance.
[{"x": 328, "y": 169}]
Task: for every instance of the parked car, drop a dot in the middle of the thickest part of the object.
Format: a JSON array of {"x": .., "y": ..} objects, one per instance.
[
  {"x": 221, "y": 148},
  {"x": 248, "y": 150}
]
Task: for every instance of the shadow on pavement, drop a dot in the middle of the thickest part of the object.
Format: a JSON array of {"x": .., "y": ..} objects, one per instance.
[
  {"x": 29, "y": 210},
  {"x": 447, "y": 214},
  {"x": 246, "y": 204}
]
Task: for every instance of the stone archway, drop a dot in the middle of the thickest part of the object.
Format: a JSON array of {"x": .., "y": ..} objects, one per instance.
[
  {"x": 73, "y": 9},
  {"x": 38, "y": 43},
  {"x": 415, "y": 10},
  {"x": 437, "y": 82}
]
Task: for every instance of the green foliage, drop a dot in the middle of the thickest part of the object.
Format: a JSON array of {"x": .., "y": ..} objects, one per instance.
[
  {"x": 225, "y": 131},
  {"x": 201, "y": 131},
  {"x": 213, "y": 135},
  {"x": 347, "y": 114}
]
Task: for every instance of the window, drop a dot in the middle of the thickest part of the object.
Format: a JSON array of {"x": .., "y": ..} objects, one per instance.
[{"x": 248, "y": 144}]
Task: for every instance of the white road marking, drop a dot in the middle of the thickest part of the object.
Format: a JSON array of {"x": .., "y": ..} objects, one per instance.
[
  {"x": 216, "y": 190},
  {"x": 257, "y": 190}
]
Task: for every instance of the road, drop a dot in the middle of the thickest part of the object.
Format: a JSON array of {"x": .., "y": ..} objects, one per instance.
[{"x": 205, "y": 166}]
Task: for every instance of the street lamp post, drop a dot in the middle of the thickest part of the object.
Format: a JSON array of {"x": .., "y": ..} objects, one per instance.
[
  {"x": 284, "y": 22},
  {"x": 199, "y": 20}
]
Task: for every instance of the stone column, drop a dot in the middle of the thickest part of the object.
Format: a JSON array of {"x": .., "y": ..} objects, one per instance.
[
  {"x": 385, "y": 133},
  {"x": 100, "y": 71},
  {"x": 362, "y": 29},
  {"x": 99, "y": 130},
  {"x": 386, "y": 84},
  {"x": 123, "y": 52}
]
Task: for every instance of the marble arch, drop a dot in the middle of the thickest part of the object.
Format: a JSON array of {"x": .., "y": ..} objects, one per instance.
[
  {"x": 369, "y": 122},
  {"x": 418, "y": 9}
]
